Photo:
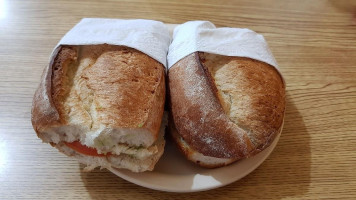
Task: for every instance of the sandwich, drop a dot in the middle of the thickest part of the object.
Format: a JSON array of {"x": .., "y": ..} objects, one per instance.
[
  {"x": 224, "y": 108},
  {"x": 103, "y": 105}
]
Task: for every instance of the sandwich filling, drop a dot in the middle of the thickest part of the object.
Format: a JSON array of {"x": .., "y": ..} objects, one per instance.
[
  {"x": 133, "y": 158},
  {"x": 108, "y": 149}
]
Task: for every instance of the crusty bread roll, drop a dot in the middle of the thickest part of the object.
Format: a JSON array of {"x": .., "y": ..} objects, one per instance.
[
  {"x": 224, "y": 108},
  {"x": 109, "y": 98}
]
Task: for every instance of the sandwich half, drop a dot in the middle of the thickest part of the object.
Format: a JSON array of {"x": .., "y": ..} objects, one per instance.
[
  {"x": 224, "y": 108},
  {"x": 103, "y": 105}
]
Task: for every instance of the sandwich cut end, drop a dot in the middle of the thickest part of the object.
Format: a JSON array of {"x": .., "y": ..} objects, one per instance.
[{"x": 121, "y": 156}]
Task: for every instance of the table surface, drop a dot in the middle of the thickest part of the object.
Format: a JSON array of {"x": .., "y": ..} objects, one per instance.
[{"x": 313, "y": 42}]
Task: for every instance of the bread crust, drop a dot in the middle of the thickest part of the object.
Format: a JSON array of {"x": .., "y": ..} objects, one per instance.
[
  {"x": 193, "y": 155},
  {"x": 130, "y": 83},
  {"x": 201, "y": 119},
  {"x": 44, "y": 113}
]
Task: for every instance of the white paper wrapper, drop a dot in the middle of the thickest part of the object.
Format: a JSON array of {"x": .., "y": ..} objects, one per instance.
[
  {"x": 148, "y": 36},
  {"x": 203, "y": 36}
]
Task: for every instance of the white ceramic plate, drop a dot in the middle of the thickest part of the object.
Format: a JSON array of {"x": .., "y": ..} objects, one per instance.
[{"x": 173, "y": 173}]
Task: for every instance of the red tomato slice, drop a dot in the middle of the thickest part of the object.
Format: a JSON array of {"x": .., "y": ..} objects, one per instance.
[{"x": 89, "y": 151}]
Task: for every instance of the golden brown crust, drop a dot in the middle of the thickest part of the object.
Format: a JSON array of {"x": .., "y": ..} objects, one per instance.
[
  {"x": 203, "y": 119},
  {"x": 157, "y": 104},
  {"x": 129, "y": 84},
  {"x": 255, "y": 92},
  {"x": 43, "y": 112},
  {"x": 134, "y": 91}
]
